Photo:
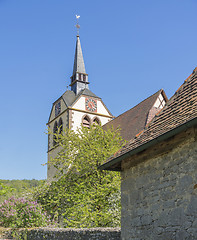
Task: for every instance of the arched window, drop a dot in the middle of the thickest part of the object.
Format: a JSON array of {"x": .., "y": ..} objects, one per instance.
[
  {"x": 60, "y": 125},
  {"x": 86, "y": 122},
  {"x": 54, "y": 132},
  {"x": 96, "y": 120}
]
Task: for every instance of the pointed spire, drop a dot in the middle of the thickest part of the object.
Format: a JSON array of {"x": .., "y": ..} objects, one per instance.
[
  {"x": 79, "y": 79},
  {"x": 79, "y": 65}
]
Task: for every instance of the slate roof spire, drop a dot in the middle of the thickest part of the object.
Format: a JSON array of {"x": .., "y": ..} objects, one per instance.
[
  {"x": 79, "y": 65},
  {"x": 79, "y": 79}
]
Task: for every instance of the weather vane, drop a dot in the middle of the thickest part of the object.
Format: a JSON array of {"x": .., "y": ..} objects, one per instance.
[{"x": 77, "y": 25}]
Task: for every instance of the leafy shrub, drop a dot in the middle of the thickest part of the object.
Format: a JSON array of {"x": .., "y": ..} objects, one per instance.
[
  {"x": 21, "y": 213},
  {"x": 5, "y": 189},
  {"x": 82, "y": 195}
]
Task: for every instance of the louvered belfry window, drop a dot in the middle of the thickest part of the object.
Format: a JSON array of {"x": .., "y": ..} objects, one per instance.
[
  {"x": 86, "y": 122},
  {"x": 96, "y": 121}
]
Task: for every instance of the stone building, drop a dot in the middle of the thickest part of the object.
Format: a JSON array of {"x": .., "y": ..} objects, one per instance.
[
  {"x": 76, "y": 107},
  {"x": 159, "y": 172}
]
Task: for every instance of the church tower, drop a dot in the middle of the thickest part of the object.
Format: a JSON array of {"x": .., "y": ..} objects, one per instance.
[
  {"x": 76, "y": 107},
  {"x": 79, "y": 79}
]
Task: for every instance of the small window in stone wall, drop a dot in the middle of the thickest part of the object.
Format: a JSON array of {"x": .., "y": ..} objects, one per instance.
[{"x": 86, "y": 122}]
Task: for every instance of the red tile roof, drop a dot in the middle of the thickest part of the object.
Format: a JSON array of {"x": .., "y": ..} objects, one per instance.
[
  {"x": 134, "y": 120},
  {"x": 180, "y": 109}
]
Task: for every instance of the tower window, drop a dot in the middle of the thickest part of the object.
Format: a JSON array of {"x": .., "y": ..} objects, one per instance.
[
  {"x": 80, "y": 76},
  {"x": 60, "y": 125},
  {"x": 84, "y": 78},
  {"x": 86, "y": 122},
  {"x": 96, "y": 121},
  {"x": 54, "y": 133}
]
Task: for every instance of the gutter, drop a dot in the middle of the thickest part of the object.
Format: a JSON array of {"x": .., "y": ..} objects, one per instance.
[{"x": 109, "y": 165}]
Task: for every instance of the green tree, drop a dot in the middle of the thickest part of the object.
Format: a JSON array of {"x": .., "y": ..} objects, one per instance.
[
  {"x": 5, "y": 189},
  {"x": 83, "y": 195}
]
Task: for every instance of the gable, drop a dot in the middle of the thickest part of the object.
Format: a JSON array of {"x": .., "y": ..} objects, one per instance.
[
  {"x": 53, "y": 113},
  {"x": 134, "y": 120},
  {"x": 65, "y": 100},
  {"x": 80, "y": 104},
  {"x": 157, "y": 106}
]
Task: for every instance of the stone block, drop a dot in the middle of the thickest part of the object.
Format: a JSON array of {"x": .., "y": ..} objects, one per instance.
[
  {"x": 169, "y": 204},
  {"x": 183, "y": 235},
  {"x": 163, "y": 219},
  {"x": 193, "y": 233},
  {"x": 192, "y": 206},
  {"x": 146, "y": 220},
  {"x": 177, "y": 217},
  {"x": 136, "y": 222},
  {"x": 167, "y": 195},
  {"x": 166, "y": 236},
  {"x": 185, "y": 183},
  {"x": 134, "y": 196},
  {"x": 125, "y": 200}
]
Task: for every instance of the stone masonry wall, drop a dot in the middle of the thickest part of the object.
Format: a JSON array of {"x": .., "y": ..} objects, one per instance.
[
  {"x": 65, "y": 234},
  {"x": 159, "y": 195}
]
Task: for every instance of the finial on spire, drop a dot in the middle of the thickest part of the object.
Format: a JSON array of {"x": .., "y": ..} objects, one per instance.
[{"x": 77, "y": 25}]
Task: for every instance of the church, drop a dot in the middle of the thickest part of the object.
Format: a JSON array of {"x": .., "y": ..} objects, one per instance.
[
  {"x": 81, "y": 107},
  {"x": 157, "y": 165},
  {"x": 76, "y": 107}
]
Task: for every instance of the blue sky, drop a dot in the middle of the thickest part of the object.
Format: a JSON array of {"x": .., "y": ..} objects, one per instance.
[{"x": 131, "y": 50}]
